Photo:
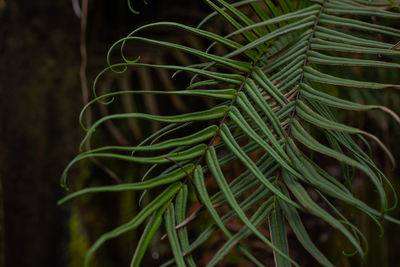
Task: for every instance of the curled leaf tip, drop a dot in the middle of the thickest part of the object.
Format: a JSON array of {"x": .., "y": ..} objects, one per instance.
[
  {"x": 124, "y": 68},
  {"x": 349, "y": 254},
  {"x": 131, "y": 9},
  {"x": 106, "y": 102},
  {"x": 136, "y": 60},
  {"x": 63, "y": 185}
]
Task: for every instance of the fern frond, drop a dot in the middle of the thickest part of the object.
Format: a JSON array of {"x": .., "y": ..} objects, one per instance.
[{"x": 272, "y": 107}]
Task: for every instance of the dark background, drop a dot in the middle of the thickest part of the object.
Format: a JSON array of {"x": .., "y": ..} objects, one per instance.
[{"x": 40, "y": 100}]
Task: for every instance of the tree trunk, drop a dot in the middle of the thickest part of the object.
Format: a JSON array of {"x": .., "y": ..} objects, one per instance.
[{"x": 39, "y": 105}]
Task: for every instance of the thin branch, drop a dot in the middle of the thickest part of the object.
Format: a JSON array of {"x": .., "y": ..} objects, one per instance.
[
  {"x": 396, "y": 46},
  {"x": 294, "y": 112},
  {"x": 83, "y": 51},
  {"x": 77, "y": 8},
  {"x": 84, "y": 86},
  {"x": 187, "y": 175}
]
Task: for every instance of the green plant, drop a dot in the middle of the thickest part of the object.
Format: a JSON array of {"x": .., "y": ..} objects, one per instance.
[{"x": 276, "y": 92}]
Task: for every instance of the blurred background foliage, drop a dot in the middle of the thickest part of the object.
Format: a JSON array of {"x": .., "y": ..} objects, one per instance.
[{"x": 40, "y": 100}]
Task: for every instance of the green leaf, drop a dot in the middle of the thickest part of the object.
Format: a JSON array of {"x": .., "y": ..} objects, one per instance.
[
  {"x": 212, "y": 162},
  {"x": 302, "y": 196},
  {"x": 333, "y": 8},
  {"x": 301, "y": 233},
  {"x": 277, "y": 229},
  {"x": 318, "y": 120},
  {"x": 159, "y": 201},
  {"x": 200, "y": 185},
  {"x": 300, "y": 134},
  {"x": 314, "y": 75},
  {"x": 163, "y": 179},
  {"x": 319, "y": 44},
  {"x": 148, "y": 234},
  {"x": 319, "y": 58},
  {"x": 173, "y": 237},
  {"x": 260, "y": 215},
  {"x": 180, "y": 206},
  {"x": 359, "y": 25},
  {"x": 238, "y": 118},
  {"x": 235, "y": 148},
  {"x": 210, "y": 114},
  {"x": 340, "y": 37}
]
